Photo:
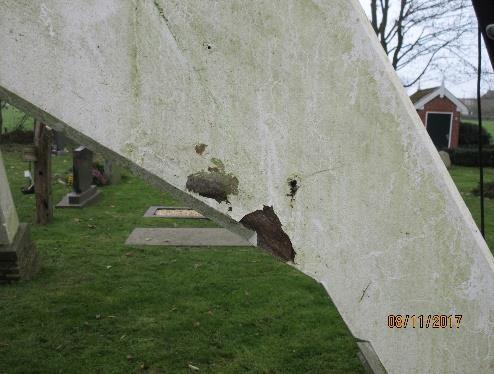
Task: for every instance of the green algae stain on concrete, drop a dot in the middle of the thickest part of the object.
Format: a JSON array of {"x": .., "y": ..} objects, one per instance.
[{"x": 213, "y": 183}]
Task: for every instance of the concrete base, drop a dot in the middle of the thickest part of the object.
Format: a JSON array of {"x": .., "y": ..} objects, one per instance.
[
  {"x": 20, "y": 259},
  {"x": 369, "y": 358},
  {"x": 75, "y": 200},
  {"x": 186, "y": 237}
]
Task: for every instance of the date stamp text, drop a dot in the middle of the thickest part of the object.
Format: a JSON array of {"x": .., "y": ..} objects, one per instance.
[{"x": 424, "y": 321}]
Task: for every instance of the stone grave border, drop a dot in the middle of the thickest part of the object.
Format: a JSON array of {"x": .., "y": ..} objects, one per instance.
[{"x": 151, "y": 212}]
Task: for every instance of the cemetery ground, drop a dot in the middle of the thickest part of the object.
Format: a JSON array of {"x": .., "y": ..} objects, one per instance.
[{"x": 101, "y": 306}]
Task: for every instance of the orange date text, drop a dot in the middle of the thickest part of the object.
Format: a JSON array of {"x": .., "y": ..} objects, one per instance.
[{"x": 424, "y": 321}]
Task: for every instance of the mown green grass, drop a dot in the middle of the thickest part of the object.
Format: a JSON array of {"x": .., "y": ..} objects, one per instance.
[
  {"x": 466, "y": 179},
  {"x": 12, "y": 117},
  {"x": 101, "y": 307}
]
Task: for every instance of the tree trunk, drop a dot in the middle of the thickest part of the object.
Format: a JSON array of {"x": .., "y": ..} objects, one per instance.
[{"x": 42, "y": 173}]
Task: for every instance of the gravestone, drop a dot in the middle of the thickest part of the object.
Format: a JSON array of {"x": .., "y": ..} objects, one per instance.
[
  {"x": 59, "y": 142},
  {"x": 83, "y": 190},
  {"x": 446, "y": 159},
  {"x": 18, "y": 256},
  {"x": 112, "y": 171}
]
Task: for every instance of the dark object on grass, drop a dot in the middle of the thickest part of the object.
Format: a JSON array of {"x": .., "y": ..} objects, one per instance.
[
  {"x": 28, "y": 190},
  {"x": 488, "y": 190}
]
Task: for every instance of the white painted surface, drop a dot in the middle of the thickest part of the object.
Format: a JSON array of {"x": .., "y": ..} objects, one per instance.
[
  {"x": 288, "y": 88},
  {"x": 9, "y": 221}
]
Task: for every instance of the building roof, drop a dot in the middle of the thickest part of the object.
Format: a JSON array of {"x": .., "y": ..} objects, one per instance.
[
  {"x": 488, "y": 95},
  {"x": 422, "y": 97},
  {"x": 421, "y": 93}
]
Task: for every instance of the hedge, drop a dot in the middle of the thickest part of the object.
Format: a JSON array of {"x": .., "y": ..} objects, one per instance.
[
  {"x": 470, "y": 156},
  {"x": 469, "y": 134}
]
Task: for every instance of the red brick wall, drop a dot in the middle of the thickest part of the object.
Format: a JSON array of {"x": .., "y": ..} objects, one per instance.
[{"x": 443, "y": 105}]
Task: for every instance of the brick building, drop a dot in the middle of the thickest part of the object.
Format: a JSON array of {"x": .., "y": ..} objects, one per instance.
[{"x": 440, "y": 112}]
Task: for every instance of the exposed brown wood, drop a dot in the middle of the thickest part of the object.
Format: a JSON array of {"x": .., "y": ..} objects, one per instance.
[{"x": 43, "y": 139}]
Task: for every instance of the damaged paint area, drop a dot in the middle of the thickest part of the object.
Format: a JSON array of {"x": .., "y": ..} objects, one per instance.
[
  {"x": 294, "y": 186},
  {"x": 270, "y": 235},
  {"x": 200, "y": 148},
  {"x": 214, "y": 183}
]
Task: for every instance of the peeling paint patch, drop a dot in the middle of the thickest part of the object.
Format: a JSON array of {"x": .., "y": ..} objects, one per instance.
[
  {"x": 200, "y": 148},
  {"x": 294, "y": 186},
  {"x": 214, "y": 183},
  {"x": 270, "y": 235}
]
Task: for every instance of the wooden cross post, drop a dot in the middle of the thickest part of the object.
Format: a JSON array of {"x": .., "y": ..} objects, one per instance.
[{"x": 43, "y": 138}]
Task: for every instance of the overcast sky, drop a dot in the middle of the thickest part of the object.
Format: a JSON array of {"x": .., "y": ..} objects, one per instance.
[{"x": 462, "y": 85}]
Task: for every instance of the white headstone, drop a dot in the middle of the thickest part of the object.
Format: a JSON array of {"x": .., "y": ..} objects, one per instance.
[
  {"x": 9, "y": 221},
  {"x": 446, "y": 159}
]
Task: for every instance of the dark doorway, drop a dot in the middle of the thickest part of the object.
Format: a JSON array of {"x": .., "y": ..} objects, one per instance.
[{"x": 438, "y": 127}]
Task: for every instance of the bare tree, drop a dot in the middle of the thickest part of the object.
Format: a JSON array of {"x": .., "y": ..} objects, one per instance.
[{"x": 418, "y": 32}]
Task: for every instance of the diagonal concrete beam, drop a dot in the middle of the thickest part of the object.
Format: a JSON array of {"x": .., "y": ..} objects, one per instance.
[{"x": 285, "y": 115}]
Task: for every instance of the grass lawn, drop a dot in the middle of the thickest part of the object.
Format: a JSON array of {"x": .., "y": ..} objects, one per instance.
[
  {"x": 13, "y": 116},
  {"x": 466, "y": 179},
  {"x": 487, "y": 124},
  {"x": 101, "y": 307}
]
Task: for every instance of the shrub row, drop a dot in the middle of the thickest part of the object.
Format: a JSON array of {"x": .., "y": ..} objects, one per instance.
[
  {"x": 470, "y": 156},
  {"x": 469, "y": 134}
]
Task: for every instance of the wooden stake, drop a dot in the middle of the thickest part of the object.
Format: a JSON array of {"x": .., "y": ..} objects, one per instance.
[{"x": 43, "y": 139}]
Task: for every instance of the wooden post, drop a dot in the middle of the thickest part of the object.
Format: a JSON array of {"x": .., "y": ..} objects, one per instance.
[{"x": 43, "y": 139}]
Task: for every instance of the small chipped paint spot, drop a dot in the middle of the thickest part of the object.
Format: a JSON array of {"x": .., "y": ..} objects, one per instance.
[
  {"x": 294, "y": 186},
  {"x": 200, "y": 148}
]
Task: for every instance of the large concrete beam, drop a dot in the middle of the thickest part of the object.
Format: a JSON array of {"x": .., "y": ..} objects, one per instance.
[{"x": 284, "y": 104}]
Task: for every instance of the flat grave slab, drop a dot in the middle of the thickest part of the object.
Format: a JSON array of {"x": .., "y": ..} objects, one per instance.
[
  {"x": 186, "y": 237},
  {"x": 172, "y": 212}
]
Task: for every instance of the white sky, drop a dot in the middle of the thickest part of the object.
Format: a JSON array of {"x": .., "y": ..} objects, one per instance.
[{"x": 460, "y": 85}]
